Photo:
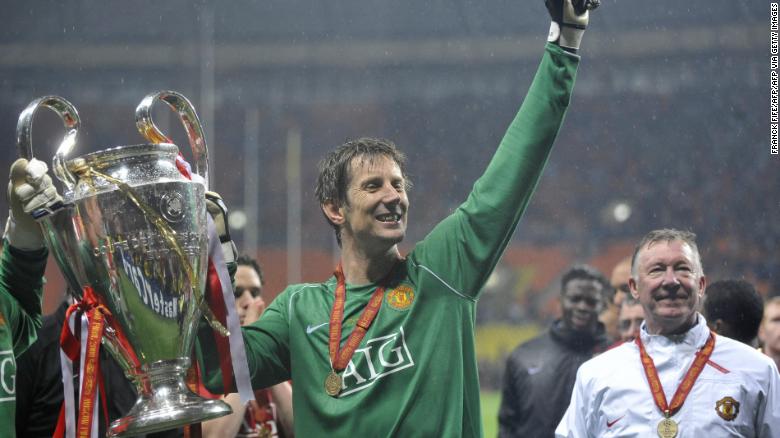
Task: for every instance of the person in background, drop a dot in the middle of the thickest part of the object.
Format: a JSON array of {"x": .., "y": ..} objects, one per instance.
[
  {"x": 271, "y": 413},
  {"x": 630, "y": 318},
  {"x": 540, "y": 373},
  {"x": 619, "y": 281},
  {"x": 733, "y": 308},
  {"x": 769, "y": 333}
]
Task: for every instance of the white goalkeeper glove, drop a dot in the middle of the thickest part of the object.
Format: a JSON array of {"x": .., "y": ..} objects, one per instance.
[
  {"x": 30, "y": 190},
  {"x": 569, "y": 20},
  {"x": 219, "y": 212}
]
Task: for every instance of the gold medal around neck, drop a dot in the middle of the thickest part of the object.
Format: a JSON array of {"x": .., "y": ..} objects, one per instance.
[
  {"x": 333, "y": 384},
  {"x": 667, "y": 428}
]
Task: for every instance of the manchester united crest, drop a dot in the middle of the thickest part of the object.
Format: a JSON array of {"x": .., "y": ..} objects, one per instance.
[
  {"x": 401, "y": 297},
  {"x": 727, "y": 408}
]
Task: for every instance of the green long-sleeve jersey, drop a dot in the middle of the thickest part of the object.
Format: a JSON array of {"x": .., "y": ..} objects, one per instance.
[
  {"x": 415, "y": 372},
  {"x": 21, "y": 289}
]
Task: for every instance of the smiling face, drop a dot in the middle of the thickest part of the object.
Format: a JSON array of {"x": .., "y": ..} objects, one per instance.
[
  {"x": 670, "y": 285},
  {"x": 581, "y": 303},
  {"x": 374, "y": 214}
]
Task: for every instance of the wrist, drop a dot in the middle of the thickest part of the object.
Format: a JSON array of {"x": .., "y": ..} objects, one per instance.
[
  {"x": 567, "y": 36},
  {"x": 26, "y": 237}
]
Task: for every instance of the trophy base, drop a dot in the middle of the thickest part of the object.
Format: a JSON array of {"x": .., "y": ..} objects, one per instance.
[{"x": 168, "y": 405}]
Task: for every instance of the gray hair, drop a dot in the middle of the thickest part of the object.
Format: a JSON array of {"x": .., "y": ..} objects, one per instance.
[{"x": 667, "y": 235}]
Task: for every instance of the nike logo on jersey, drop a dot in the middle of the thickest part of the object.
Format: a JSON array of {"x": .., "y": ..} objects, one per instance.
[
  {"x": 612, "y": 423},
  {"x": 534, "y": 370},
  {"x": 312, "y": 328}
]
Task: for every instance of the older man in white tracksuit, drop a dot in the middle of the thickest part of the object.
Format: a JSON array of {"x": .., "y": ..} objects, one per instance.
[{"x": 677, "y": 379}]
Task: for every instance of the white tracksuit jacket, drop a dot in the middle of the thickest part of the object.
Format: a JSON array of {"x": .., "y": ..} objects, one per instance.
[{"x": 612, "y": 398}]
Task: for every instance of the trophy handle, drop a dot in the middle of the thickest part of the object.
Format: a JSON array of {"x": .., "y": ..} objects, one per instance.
[
  {"x": 70, "y": 118},
  {"x": 190, "y": 120}
]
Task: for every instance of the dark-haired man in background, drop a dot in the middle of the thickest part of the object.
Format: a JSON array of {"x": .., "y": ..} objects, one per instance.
[
  {"x": 270, "y": 413},
  {"x": 733, "y": 308},
  {"x": 540, "y": 373}
]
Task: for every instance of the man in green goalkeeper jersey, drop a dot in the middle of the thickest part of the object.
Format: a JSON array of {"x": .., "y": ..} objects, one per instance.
[{"x": 385, "y": 347}]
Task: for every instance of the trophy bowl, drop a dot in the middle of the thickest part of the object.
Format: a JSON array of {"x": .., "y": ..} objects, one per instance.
[{"x": 133, "y": 229}]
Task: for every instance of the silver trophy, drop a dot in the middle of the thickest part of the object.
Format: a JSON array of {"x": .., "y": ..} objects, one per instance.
[{"x": 132, "y": 228}]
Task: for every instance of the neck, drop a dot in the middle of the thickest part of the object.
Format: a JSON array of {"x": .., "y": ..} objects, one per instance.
[
  {"x": 362, "y": 268},
  {"x": 655, "y": 327}
]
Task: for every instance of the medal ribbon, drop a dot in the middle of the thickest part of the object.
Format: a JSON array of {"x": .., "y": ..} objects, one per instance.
[
  {"x": 220, "y": 302},
  {"x": 339, "y": 358},
  {"x": 702, "y": 356},
  {"x": 87, "y": 406}
]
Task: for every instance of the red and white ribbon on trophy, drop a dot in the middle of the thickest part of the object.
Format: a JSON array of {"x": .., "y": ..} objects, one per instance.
[
  {"x": 80, "y": 340},
  {"x": 220, "y": 298}
]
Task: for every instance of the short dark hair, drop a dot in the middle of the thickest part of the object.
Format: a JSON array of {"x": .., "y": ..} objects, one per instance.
[
  {"x": 245, "y": 260},
  {"x": 333, "y": 177},
  {"x": 667, "y": 235},
  {"x": 737, "y": 303},
  {"x": 586, "y": 272}
]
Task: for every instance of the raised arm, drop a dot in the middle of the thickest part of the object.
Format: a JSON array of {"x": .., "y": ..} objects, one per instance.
[
  {"x": 476, "y": 234},
  {"x": 24, "y": 252}
]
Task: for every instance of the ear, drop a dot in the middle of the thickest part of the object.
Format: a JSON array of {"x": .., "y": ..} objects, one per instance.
[
  {"x": 632, "y": 288},
  {"x": 702, "y": 286},
  {"x": 333, "y": 212}
]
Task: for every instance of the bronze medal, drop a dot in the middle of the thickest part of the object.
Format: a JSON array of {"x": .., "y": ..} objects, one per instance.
[
  {"x": 340, "y": 357},
  {"x": 667, "y": 428},
  {"x": 333, "y": 384}
]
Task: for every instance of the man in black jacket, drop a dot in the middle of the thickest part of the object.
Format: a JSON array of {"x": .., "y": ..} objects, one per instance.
[{"x": 540, "y": 373}]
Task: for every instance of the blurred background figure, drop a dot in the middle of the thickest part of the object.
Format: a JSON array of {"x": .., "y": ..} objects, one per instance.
[
  {"x": 733, "y": 308},
  {"x": 271, "y": 414},
  {"x": 619, "y": 281},
  {"x": 540, "y": 373},
  {"x": 630, "y": 318},
  {"x": 769, "y": 333}
]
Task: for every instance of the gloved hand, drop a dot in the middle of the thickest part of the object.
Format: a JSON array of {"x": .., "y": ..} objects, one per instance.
[
  {"x": 569, "y": 20},
  {"x": 219, "y": 212},
  {"x": 30, "y": 189}
]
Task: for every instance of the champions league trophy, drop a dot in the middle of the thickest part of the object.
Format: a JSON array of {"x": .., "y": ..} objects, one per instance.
[{"x": 132, "y": 233}]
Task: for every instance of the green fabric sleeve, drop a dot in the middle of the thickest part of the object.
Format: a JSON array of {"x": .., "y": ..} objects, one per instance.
[
  {"x": 21, "y": 292},
  {"x": 267, "y": 349},
  {"x": 474, "y": 237}
]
